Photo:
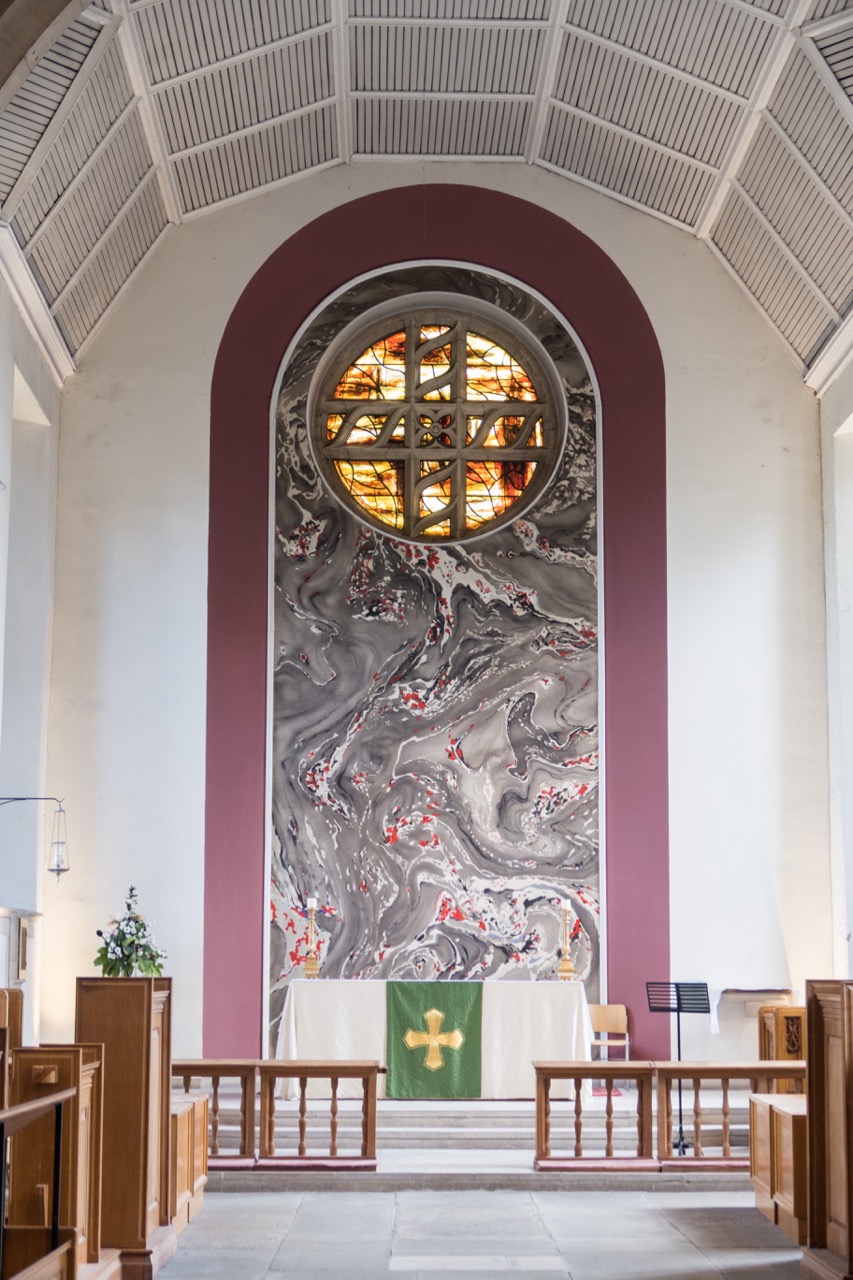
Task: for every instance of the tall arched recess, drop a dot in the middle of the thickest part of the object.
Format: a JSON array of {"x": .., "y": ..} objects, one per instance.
[{"x": 517, "y": 239}]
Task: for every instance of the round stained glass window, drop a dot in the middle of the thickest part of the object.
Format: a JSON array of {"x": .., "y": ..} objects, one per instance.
[{"x": 437, "y": 423}]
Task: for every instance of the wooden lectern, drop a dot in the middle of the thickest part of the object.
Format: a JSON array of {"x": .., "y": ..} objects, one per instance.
[{"x": 131, "y": 1017}]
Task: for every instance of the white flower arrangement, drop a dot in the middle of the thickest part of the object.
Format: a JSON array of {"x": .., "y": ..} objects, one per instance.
[{"x": 129, "y": 946}]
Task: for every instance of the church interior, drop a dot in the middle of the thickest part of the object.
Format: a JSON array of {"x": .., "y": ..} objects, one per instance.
[{"x": 426, "y": 554}]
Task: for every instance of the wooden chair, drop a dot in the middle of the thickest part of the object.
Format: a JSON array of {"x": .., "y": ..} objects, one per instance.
[{"x": 610, "y": 1028}]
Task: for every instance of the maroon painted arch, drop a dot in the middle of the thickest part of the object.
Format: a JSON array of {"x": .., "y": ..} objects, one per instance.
[{"x": 511, "y": 237}]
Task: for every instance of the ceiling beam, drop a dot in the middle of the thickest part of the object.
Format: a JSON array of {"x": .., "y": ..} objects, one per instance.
[
  {"x": 27, "y": 31},
  {"x": 660, "y": 147},
  {"x": 675, "y": 72},
  {"x": 32, "y": 306},
  {"x": 247, "y": 130},
  {"x": 783, "y": 46},
  {"x": 343, "y": 85},
  {"x": 84, "y": 264},
  {"x": 148, "y": 115},
  {"x": 832, "y": 359},
  {"x": 546, "y": 83},
  {"x": 829, "y": 25},
  {"x": 788, "y": 253},
  {"x": 81, "y": 173},
  {"x": 828, "y": 80},
  {"x": 250, "y": 55}
]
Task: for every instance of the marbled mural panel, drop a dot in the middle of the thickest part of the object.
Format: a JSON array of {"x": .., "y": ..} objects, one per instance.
[{"x": 435, "y": 748}]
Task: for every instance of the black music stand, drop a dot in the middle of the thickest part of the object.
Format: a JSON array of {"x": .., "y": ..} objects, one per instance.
[{"x": 678, "y": 998}]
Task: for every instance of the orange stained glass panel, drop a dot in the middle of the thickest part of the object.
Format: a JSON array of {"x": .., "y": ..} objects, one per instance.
[
  {"x": 493, "y": 374},
  {"x": 505, "y": 431},
  {"x": 367, "y": 428},
  {"x": 378, "y": 374},
  {"x": 493, "y": 487},
  {"x": 437, "y": 362},
  {"x": 376, "y": 486}
]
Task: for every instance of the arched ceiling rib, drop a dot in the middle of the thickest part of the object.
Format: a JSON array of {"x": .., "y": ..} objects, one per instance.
[{"x": 732, "y": 119}]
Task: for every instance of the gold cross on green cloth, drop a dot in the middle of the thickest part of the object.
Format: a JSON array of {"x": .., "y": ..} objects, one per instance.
[{"x": 433, "y": 1039}]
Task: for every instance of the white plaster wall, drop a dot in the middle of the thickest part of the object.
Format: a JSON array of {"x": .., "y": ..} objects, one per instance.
[
  {"x": 837, "y": 454},
  {"x": 27, "y": 456},
  {"x": 750, "y": 887}
]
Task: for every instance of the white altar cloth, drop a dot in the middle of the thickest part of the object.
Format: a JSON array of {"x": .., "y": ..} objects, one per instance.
[{"x": 523, "y": 1022}]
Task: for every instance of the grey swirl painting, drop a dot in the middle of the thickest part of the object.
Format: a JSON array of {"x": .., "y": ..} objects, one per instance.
[{"x": 435, "y": 707}]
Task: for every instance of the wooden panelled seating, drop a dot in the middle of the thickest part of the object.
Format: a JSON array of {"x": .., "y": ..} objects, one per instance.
[
  {"x": 43, "y": 1252},
  {"x": 782, "y": 1034},
  {"x": 153, "y": 1186},
  {"x": 36, "y": 1074}
]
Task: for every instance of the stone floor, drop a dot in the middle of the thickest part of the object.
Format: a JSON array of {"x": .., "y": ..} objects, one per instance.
[{"x": 424, "y": 1235}]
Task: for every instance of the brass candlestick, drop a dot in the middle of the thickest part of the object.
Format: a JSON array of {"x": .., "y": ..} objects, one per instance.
[
  {"x": 566, "y": 969},
  {"x": 312, "y": 964}
]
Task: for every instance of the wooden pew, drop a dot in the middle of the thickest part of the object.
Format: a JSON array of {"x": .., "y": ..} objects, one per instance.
[
  {"x": 778, "y": 1143},
  {"x": 37, "y": 1252},
  {"x": 189, "y": 1157},
  {"x": 829, "y": 1013},
  {"x": 216, "y": 1070},
  {"x": 36, "y": 1074},
  {"x": 12, "y": 1037}
]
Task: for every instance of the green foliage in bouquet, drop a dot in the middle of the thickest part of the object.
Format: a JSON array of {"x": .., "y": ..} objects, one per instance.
[{"x": 128, "y": 948}]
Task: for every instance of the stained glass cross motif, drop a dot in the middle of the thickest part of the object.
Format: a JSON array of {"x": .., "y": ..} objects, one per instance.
[
  {"x": 433, "y": 1039},
  {"x": 436, "y": 429}
]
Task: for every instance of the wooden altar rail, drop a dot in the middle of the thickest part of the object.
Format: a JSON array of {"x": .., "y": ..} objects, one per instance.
[
  {"x": 38, "y": 1250},
  {"x": 640, "y": 1073},
  {"x": 303, "y": 1071},
  {"x": 216, "y": 1070},
  {"x": 760, "y": 1076},
  {"x": 246, "y": 1070}
]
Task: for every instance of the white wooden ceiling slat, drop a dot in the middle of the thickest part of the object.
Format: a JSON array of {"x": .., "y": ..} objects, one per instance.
[
  {"x": 114, "y": 229},
  {"x": 620, "y": 161},
  {"x": 816, "y": 230},
  {"x": 644, "y": 100},
  {"x": 772, "y": 281},
  {"x": 474, "y": 78},
  {"x": 83, "y": 216},
  {"x": 643, "y": 19},
  {"x": 807, "y": 113},
  {"x": 650, "y": 146},
  {"x": 120, "y": 260},
  {"x": 785, "y": 252},
  {"x": 41, "y": 144},
  {"x": 637, "y": 55},
  {"x": 828, "y": 8}
]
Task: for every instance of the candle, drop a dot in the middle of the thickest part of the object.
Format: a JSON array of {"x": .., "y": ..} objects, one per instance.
[{"x": 312, "y": 904}]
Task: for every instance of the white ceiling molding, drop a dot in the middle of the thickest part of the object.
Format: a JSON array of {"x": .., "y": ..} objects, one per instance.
[
  {"x": 832, "y": 359},
  {"x": 33, "y": 308}
]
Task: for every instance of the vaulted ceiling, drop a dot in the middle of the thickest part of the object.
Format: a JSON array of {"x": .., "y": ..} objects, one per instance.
[{"x": 732, "y": 119}]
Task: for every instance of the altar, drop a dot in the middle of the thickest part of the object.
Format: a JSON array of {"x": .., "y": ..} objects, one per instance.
[{"x": 326, "y": 1019}]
